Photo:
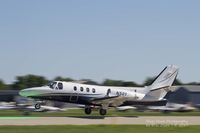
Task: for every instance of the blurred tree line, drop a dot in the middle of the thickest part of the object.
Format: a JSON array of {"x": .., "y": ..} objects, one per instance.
[{"x": 28, "y": 81}]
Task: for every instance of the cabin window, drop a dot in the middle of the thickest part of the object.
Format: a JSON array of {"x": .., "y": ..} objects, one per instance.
[
  {"x": 93, "y": 90},
  {"x": 87, "y": 89},
  {"x": 81, "y": 89},
  {"x": 117, "y": 93},
  {"x": 75, "y": 88},
  {"x": 60, "y": 86}
]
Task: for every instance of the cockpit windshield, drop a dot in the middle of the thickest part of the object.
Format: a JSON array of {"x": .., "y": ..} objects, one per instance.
[
  {"x": 56, "y": 85},
  {"x": 52, "y": 85}
]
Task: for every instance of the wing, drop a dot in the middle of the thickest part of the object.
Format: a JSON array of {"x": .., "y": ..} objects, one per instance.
[
  {"x": 110, "y": 101},
  {"x": 161, "y": 108}
]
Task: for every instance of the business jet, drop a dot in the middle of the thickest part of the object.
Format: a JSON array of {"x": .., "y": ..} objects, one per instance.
[{"x": 105, "y": 96}]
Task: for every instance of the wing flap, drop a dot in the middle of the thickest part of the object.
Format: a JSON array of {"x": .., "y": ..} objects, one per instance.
[{"x": 110, "y": 101}]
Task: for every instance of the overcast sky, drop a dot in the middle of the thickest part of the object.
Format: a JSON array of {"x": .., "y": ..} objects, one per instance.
[{"x": 98, "y": 39}]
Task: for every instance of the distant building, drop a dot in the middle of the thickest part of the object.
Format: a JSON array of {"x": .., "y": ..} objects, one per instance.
[{"x": 185, "y": 94}]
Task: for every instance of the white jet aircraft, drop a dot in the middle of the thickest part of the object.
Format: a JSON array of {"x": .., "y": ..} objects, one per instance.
[{"x": 105, "y": 96}]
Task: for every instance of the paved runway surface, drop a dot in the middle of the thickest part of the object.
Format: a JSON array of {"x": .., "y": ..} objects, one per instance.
[{"x": 149, "y": 120}]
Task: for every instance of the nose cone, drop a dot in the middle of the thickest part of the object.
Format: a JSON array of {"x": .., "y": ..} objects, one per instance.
[
  {"x": 36, "y": 91},
  {"x": 27, "y": 92}
]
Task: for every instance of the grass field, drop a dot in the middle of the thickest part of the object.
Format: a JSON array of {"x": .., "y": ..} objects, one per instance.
[
  {"x": 80, "y": 112},
  {"x": 98, "y": 129}
]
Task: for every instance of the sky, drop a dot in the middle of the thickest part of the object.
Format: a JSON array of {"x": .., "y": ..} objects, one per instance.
[{"x": 99, "y": 39}]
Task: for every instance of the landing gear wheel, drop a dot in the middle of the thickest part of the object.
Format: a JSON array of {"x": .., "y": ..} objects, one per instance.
[
  {"x": 102, "y": 111},
  {"x": 88, "y": 110},
  {"x": 37, "y": 106}
]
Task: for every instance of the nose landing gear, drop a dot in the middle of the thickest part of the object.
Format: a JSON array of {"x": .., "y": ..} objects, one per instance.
[{"x": 37, "y": 106}]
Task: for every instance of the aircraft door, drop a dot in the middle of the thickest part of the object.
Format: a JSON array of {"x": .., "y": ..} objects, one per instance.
[
  {"x": 108, "y": 92},
  {"x": 74, "y": 97}
]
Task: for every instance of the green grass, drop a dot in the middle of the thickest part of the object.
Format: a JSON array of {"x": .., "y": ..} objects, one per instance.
[
  {"x": 98, "y": 129},
  {"x": 80, "y": 112}
]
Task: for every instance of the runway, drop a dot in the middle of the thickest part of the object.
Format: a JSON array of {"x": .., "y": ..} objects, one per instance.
[{"x": 92, "y": 120}]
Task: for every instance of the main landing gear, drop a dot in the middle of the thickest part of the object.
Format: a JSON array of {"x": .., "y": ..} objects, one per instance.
[
  {"x": 102, "y": 111},
  {"x": 88, "y": 111}
]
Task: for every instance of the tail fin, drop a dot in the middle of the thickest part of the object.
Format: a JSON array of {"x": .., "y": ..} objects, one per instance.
[
  {"x": 165, "y": 78},
  {"x": 163, "y": 81}
]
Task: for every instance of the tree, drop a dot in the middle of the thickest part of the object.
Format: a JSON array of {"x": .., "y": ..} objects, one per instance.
[
  {"x": 3, "y": 86},
  {"x": 177, "y": 82},
  {"x": 89, "y": 82},
  {"x": 29, "y": 81},
  {"x": 109, "y": 82},
  {"x": 193, "y": 83},
  {"x": 59, "y": 78},
  {"x": 130, "y": 84},
  {"x": 148, "y": 81}
]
